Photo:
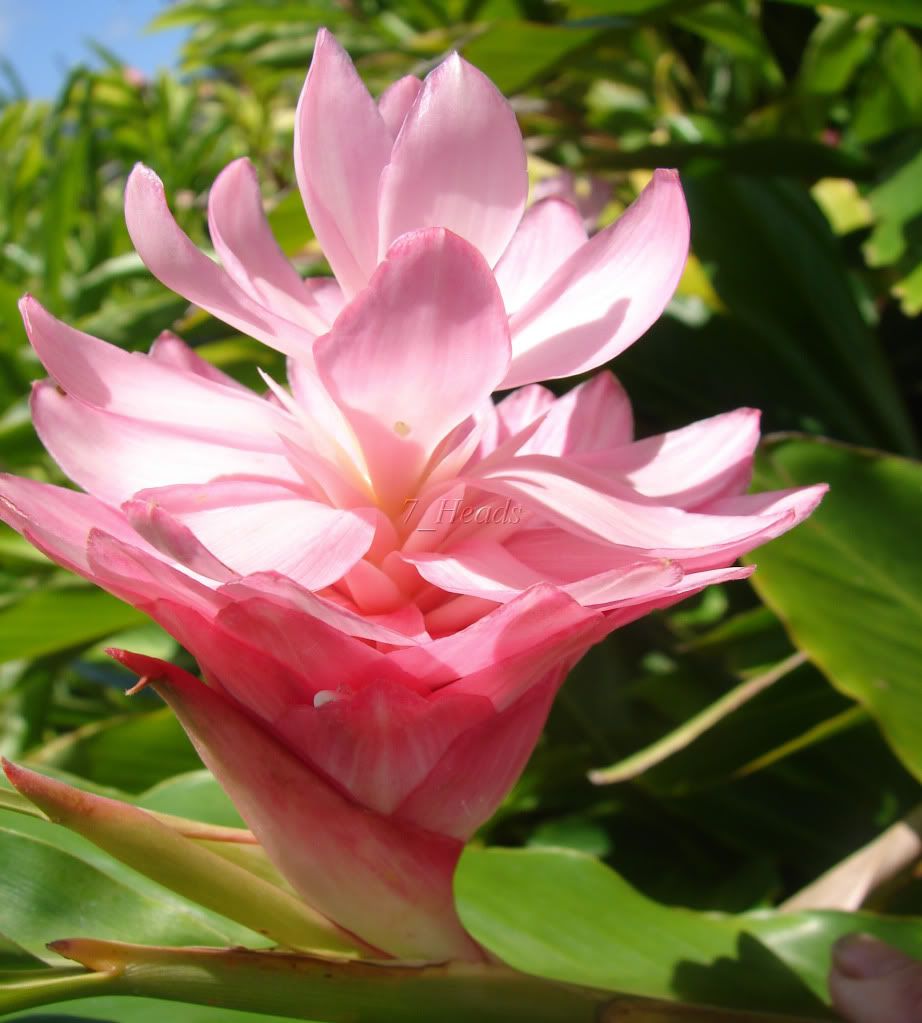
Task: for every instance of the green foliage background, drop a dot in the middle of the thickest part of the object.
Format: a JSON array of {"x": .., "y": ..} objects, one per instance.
[{"x": 791, "y": 709}]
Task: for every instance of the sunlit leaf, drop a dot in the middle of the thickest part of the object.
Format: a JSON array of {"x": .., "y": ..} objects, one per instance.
[{"x": 848, "y": 582}]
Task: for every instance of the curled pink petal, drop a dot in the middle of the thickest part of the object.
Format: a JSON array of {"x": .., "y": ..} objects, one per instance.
[
  {"x": 172, "y": 257},
  {"x": 608, "y": 293},
  {"x": 114, "y": 456},
  {"x": 687, "y": 467},
  {"x": 59, "y": 521},
  {"x": 311, "y": 543},
  {"x": 780, "y": 510},
  {"x": 401, "y": 628},
  {"x": 534, "y": 624},
  {"x": 522, "y": 408},
  {"x": 272, "y": 659},
  {"x": 487, "y": 569},
  {"x": 249, "y": 252},
  {"x": 325, "y": 299},
  {"x": 140, "y": 577},
  {"x": 591, "y": 422},
  {"x": 693, "y": 582},
  {"x": 140, "y": 387},
  {"x": 600, "y": 509}
]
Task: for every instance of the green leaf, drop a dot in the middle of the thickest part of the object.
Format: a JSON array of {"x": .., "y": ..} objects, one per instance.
[
  {"x": 47, "y": 892},
  {"x": 63, "y": 198},
  {"x": 195, "y": 795},
  {"x": 566, "y": 916},
  {"x": 909, "y": 291},
  {"x": 896, "y": 202},
  {"x": 735, "y": 33},
  {"x": 15, "y": 957},
  {"x": 837, "y": 48},
  {"x": 890, "y": 94},
  {"x": 52, "y": 620},
  {"x": 31, "y": 824},
  {"x": 137, "y": 839},
  {"x": 135, "y": 323},
  {"x": 515, "y": 53},
  {"x": 780, "y": 271},
  {"x": 132, "y": 752},
  {"x": 847, "y": 583}
]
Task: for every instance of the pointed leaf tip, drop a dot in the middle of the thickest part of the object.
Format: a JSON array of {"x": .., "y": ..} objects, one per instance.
[
  {"x": 151, "y": 670},
  {"x": 133, "y": 663},
  {"x": 97, "y": 956},
  {"x": 135, "y": 837}
]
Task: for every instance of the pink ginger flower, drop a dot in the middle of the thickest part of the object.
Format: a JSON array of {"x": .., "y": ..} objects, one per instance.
[{"x": 384, "y": 576}]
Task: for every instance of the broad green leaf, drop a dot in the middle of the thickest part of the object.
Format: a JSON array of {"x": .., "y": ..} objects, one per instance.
[
  {"x": 196, "y": 795},
  {"x": 847, "y": 583},
  {"x": 47, "y": 892},
  {"x": 566, "y": 916},
  {"x": 132, "y": 752},
  {"x": 52, "y": 620}
]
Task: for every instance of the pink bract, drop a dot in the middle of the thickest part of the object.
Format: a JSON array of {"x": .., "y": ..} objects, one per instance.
[{"x": 384, "y": 576}]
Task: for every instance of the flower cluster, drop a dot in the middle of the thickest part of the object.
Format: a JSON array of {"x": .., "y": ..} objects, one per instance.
[{"x": 384, "y": 575}]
